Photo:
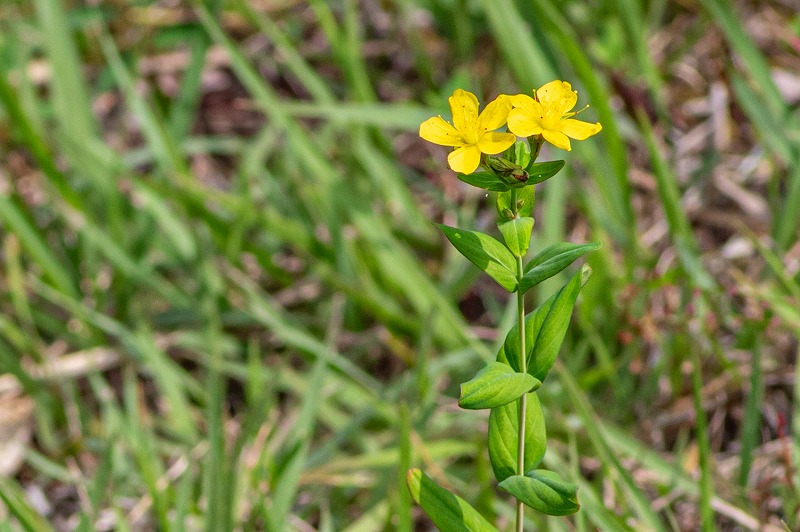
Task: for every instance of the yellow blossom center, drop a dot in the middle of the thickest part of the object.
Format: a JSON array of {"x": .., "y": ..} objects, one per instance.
[
  {"x": 470, "y": 136},
  {"x": 551, "y": 120}
]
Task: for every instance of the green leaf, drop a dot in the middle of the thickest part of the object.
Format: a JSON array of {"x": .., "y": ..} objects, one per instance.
[
  {"x": 496, "y": 384},
  {"x": 447, "y": 511},
  {"x": 519, "y": 153},
  {"x": 525, "y": 202},
  {"x": 517, "y": 234},
  {"x": 538, "y": 172},
  {"x": 503, "y": 431},
  {"x": 486, "y": 253},
  {"x": 551, "y": 261},
  {"x": 545, "y": 329},
  {"x": 484, "y": 180},
  {"x": 544, "y": 491},
  {"x": 552, "y": 327}
]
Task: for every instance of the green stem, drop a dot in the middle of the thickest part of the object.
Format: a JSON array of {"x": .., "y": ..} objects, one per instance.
[
  {"x": 523, "y": 363},
  {"x": 536, "y": 145}
]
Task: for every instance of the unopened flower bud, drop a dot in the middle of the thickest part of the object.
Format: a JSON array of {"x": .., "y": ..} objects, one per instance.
[{"x": 511, "y": 174}]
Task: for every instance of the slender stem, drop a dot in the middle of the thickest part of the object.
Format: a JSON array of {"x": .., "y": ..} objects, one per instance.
[
  {"x": 523, "y": 363},
  {"x": 514, "y": 207},
  {"x": 536, "y": 145}
]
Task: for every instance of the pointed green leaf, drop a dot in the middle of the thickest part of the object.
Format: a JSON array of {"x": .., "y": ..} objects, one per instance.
[
  {"x": 525, "y": 202},
  {"x": 552, "y": 260},
  {"x": 447, "y": 511},
  {"x": 503, "y": 431},
  {"x": 545, "y": 329},
  {"x": 544, "y": 491},
  {"x": 486, "y": 253},
  {"x": 484, "y": 180},
  {"x": 517, "y": 234},
  {"x": 538, "y": 172},
  {"x": 496, "y": 384},
  {"x": 550, "y": 329}
]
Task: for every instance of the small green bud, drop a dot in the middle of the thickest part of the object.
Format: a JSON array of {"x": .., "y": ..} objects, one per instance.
[{"x": 512, "y": 174}]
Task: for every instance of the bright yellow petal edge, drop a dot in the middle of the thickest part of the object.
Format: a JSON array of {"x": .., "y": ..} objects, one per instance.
[
  {"x": 438, "y": 131},
  {"x": 464, "y": 160}
]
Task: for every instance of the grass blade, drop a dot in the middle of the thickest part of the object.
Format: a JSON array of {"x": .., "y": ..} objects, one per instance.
[
  {"x": 287, "y": 482},
  {"x": 679, "y": 227},
  {"x": 590, "y": 423},
  {"x": 704, "y": 447},
  {"x": 70, "y": 96},
  {"x": 16, "y": 503},
  {"x": 751, "y": 424}
]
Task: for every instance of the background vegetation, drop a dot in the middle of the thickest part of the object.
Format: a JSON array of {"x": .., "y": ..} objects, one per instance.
[{"x": 223, "y": 303}]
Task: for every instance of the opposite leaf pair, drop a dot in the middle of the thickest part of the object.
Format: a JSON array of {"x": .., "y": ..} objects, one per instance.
[{"x": 498, "y": 260}]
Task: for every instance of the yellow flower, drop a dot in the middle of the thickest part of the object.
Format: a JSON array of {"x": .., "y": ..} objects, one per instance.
[
  {"x": 549, "y": 115},
  {"x": 471, "y": 134}
]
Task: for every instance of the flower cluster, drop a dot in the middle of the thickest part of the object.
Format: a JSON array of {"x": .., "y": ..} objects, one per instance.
[{"x": 547, "y": 116}]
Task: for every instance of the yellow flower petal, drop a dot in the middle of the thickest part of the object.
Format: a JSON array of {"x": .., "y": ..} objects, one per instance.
[
  {"x": 523, "y": 123},
  {"x": 524, "y": 101},
  {"x": 465, "y": 159},
  {"x": 579, "y": 130},
  {"x": 438, "y": 131},
  {"x": 495, "y": 114},
  {"x": 557, "y": 95},
  {"x": 493, "y": 143},
  {"x": 557, "y": 139},
  {"x": 464, "y": 106}
]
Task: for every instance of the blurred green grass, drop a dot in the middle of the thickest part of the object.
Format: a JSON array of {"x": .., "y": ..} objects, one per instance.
[{"x": 228, "y": 201}]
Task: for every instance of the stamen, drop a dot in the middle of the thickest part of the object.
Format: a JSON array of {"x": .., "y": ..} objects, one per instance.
[{"x": 568, "y": 115}]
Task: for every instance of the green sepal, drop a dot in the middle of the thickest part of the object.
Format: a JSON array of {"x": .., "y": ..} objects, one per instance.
[
  {"x": 545, "y": 329},
  {"x": 544, "y": 491},
  {"x": 551, "y": 261},
  {"x": 503, "y": 437},
  {"x": 484, "y": 180},
  {"x": 496, "y": 384},
  {"x": 538, "y": 172},
  {"x": 517, "y": 234},
  {"x": 486, "y": 253},
  {"x": 526, "y": 199},
  {"x": 447, "y": 510}
]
